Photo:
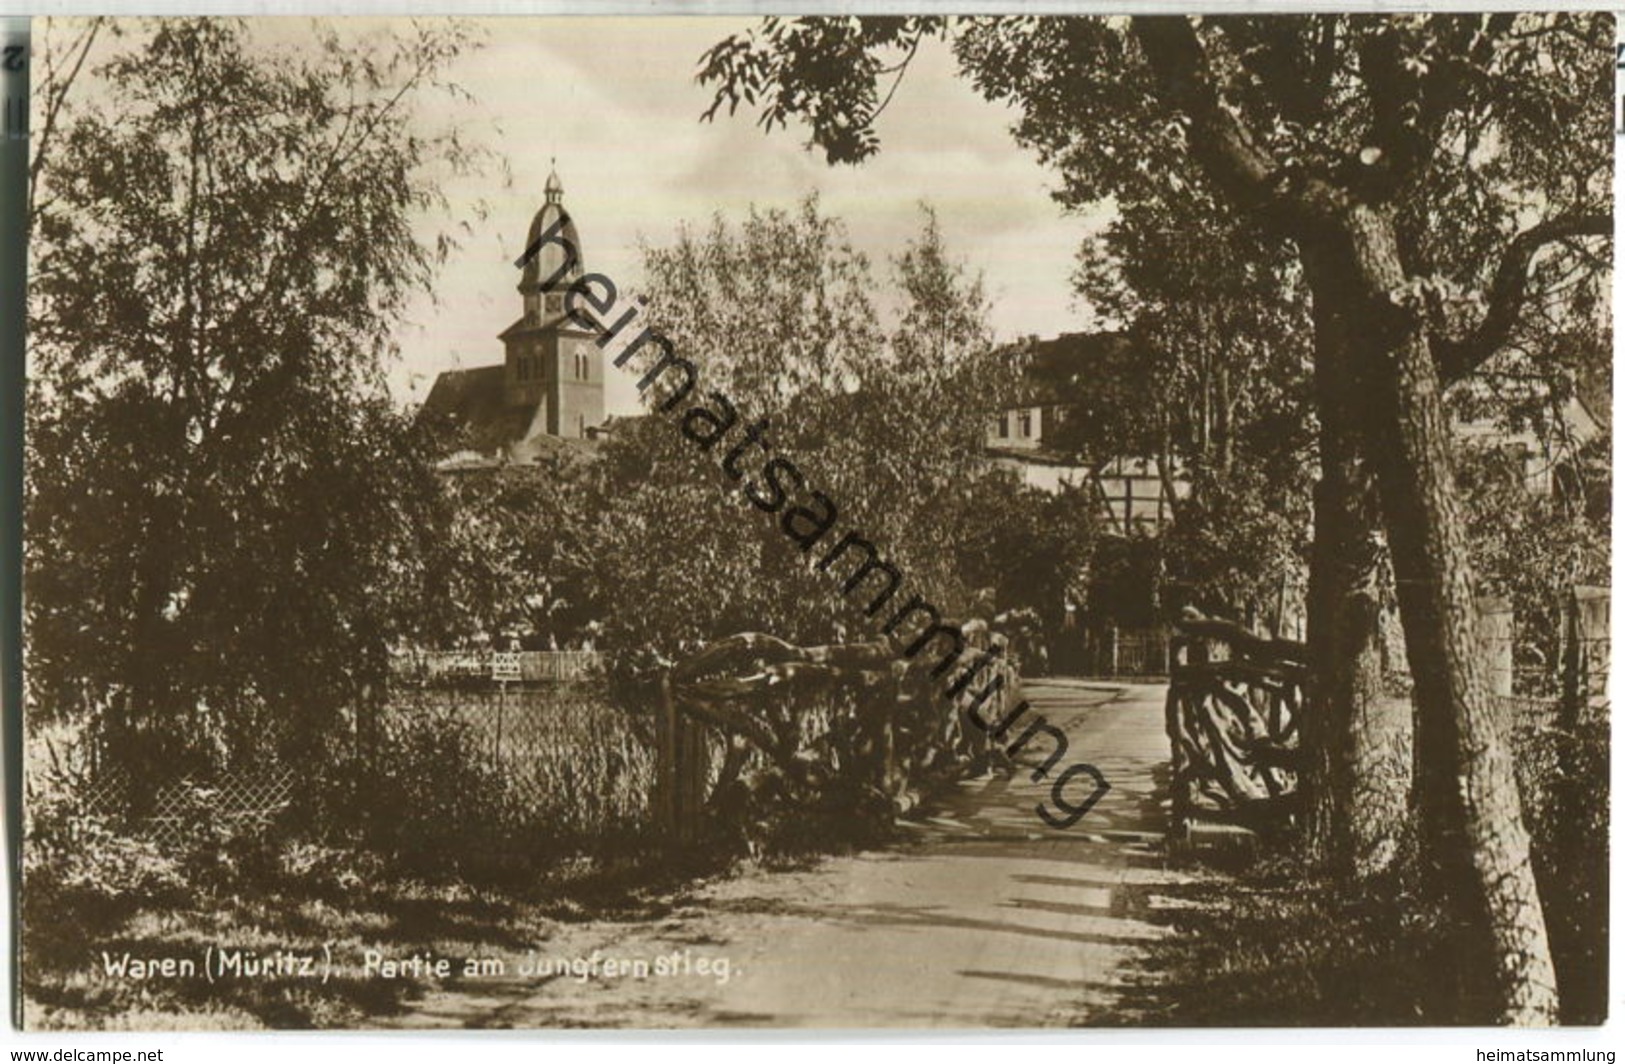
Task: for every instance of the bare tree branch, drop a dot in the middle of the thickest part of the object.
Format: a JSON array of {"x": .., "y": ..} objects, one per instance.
[{"x": 1457, "y": 358}]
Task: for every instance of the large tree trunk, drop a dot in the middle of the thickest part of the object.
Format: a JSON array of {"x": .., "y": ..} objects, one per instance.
[
  {"x": 1356, "y": 736},
  {"x": 1475, "y": 807},
  {"x": 1356, "y": 739}
]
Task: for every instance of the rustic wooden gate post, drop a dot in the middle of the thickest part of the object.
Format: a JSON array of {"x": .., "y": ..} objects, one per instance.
[
  {"x": 682, "y": 769},
  {"x": 693, "y": 764},
  {"x": 666, "y": 771},
  {"x": 1495, "y": 639},
  {"x": 1585, "y": 651},
  {"x": 1178, "y": 760}
]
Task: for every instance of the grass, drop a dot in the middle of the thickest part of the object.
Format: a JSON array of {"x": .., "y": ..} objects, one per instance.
[
  {"x": 1271, "y": 947},
  {"x": 66, "y": 988},
  {"x": 477, "y": 826}
]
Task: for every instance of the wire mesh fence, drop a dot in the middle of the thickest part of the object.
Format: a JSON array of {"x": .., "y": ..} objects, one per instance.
[
  {"x": 562, "y": 754},
  {"x": 180, "y": 809}
]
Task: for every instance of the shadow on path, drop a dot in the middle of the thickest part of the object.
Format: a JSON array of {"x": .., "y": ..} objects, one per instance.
[{"x": 986, "y": 917}]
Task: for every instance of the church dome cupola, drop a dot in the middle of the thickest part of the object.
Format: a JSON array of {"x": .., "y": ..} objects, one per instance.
[{"x": 558, "y": 262}]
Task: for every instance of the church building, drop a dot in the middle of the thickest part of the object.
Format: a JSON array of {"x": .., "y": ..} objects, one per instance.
[{"x": 547, "y": 394}]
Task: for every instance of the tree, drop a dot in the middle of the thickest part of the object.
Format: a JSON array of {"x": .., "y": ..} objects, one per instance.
[
  {"x": 1231, "y": 311},
  {"x": 1412, "y": 165},
  {"x": 1218, "y": 388},
  {"x": 513, "y": 556},
  {"x": 885, "y": 423},
  {"x": 227, "y": 514}
]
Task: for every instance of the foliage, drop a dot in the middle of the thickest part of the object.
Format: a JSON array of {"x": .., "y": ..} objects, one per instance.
[
  {"x": 1030, "y": 548},
  {"x": 1239, "y": 543},
  {"x": 1223, "y": 321},
  {"x": 1432, "y": 179},
  {"x": 1533, "y": 547},
  {"x": 513, "y": 556},
  {"x": 1467, "y": 99},
  {"x": 777, "y": 314},
  {"x": 82, "y": 875},
  {"x": 827, "y": 68},
  {"x": 430, "y": 798},
  {"x": 1564, "y": 775},
  {"x": 1463, "y": 105},
  {"x": 226, "y": 511}
]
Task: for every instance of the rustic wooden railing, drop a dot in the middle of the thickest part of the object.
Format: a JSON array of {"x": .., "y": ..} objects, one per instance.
[
  {"x": 1234, "y": 703},
  {"x": 737, "y": 690}
]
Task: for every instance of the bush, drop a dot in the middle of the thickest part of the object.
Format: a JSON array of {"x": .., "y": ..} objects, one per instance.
[
  {"x": 430, "y": 800},
  {"x": 1563, "y": 775},
  {"x": 82, "y": 876}
]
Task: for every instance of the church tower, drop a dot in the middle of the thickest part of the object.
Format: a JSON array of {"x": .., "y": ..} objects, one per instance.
[{"x": 552, "y": 364}]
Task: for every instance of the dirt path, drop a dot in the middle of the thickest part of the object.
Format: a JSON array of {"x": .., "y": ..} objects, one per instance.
[{"x": 989, "y": 918}]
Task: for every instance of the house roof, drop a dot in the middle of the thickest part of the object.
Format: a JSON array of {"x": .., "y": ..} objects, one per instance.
[
  {"x": 543, "y": 445},
  {"x": 1035, "y": 456},
  {"x": 1059, "y": 365},
  {"x": 1594, "y": 388}
]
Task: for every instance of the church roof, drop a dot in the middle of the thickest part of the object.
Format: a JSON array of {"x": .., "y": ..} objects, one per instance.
[
  {"x": 472, "y": 407},
  {"x": 558, "y": 260}
]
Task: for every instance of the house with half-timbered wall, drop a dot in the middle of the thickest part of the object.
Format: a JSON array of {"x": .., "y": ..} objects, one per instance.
[{"x": 1137, "y": 495}]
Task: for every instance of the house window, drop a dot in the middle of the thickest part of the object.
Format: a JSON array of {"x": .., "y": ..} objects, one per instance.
[
  {"x": 581, "y": 366},
  {"x": 1024, "y": 422},
  {"x": 1004, "y": 425}
]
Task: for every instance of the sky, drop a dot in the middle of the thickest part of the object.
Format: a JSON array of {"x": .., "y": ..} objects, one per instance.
[
  {"x": 613, "y": 103},
  {"x": 616, "y": 104}
]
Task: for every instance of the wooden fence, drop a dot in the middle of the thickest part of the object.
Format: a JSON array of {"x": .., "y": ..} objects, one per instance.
[
  {"x": 1234, "y": 703},
  {"x": 525, "y": 666},
  {"x": 737, "y": 709}
]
